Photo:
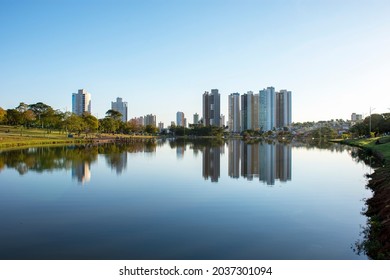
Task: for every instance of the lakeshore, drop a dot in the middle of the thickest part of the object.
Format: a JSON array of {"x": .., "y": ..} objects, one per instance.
[
  {"x": 376, "y": 243},
  {"x": 14, "y": 137}
]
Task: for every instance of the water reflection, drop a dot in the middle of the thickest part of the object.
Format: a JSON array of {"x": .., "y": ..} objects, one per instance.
[
  {"x": 78, "y": 158},
  {"x": 211, "y": 163},
  {"x": 266, "y": 162},
  {"x": 159, "y": 203},
  {"x": 81, "y": 171}
]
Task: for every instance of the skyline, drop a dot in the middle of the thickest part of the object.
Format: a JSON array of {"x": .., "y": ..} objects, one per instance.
[{"x": 160, "y": 57}]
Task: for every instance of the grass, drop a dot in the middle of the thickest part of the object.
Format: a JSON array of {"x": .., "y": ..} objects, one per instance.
[
  {"x": 379, "y": 146},
  {"x": 16, "y": 137},
  {"x": 13, "y": 137}
]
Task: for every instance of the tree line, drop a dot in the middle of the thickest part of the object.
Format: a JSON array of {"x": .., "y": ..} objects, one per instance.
[
  {"x": 377, "y": 124},
  {"x": 41, "y": 115}
]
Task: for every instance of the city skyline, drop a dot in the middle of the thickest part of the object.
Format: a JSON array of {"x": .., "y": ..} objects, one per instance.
[{"x": 156, "y": 54}]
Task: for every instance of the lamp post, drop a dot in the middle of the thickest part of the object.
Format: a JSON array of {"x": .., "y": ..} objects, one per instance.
[{"x": 371, "y": 109}]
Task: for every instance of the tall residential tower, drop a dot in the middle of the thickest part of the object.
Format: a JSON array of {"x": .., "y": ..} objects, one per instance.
[
  {"x": 81, "y": 102},
  {"x": 120, "y": 107},
  {"x": 234, "y": 112},
  {"x": 212, "y": 108}
]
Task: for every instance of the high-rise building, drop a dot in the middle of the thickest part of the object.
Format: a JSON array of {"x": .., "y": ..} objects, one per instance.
[
  {"x": 234, "y": 112},
  {"x": 150, "y": 120},
  {"x": 81, "y": 102},
  {"x": 283, "y": 108},
  {"x": 255, "y": 112},
  {"x": 356, "y": 117},
  {"x": 211, "y": 108},
  {"x": 222, "y": 121},
  {"x": 267, "y": 112},
  {"x": 180, "y": 119},
  {"x": 120, "y": 107},
  {"x": 249, "y": 111},
  {"x": 160, "y": 126},
  {"x": 196, "y": 118}
]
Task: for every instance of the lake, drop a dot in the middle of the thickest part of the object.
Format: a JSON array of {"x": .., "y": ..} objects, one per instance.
[{"x": 168, "y": 199}]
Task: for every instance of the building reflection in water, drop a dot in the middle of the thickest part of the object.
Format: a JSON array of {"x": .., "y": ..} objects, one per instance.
[
  {"x": 268, "y": 162},
  {"x": 212, "y": 162},
  {"x": 81, "y": 171},
  {"x": 180, "y": 149},
  {"x": 117, "y": 161},
  {"x": 234, "y": 159}
]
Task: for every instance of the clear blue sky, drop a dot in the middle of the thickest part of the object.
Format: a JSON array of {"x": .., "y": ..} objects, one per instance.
[{"x": 161, "y": 55}]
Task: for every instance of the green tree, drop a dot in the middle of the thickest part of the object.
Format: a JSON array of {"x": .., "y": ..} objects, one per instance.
[
  {"x": 151, "y": 129},
  {"x": 42, "y": 111},
  {"x": 13, "y": 117},
  {"x": 108, "y": 125},
  {"x": 324, "y": 132},
  {"x": 384, "y": 126},
  {"x": 112, "y": 122},
  {"x": 376, "y": 120},
  {"x": 3, "y": 115},
  {"x": 133, "y": 127},
  {"x": 114, "y": 115},
  {"x": 359, "y": 129},
  {"x": 27, "y": 116},
  {"x": 91, "y": 124},
  {"x": 73, "y": 123}
]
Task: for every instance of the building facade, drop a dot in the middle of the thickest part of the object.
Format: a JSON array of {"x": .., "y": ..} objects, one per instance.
[
  {"x": 196, "y": 118},
  {"x": 356, "y": 117},
  {"x": 81, "y": 102},
  {"x": 180, "y": 120},
  {"x": 150, "y": 120},
  {"x": 160, "y": 126},
  {"x": 212, "y": 108},
  {"x": 283, "y": 109},
  {"x": 267, "y": 109},
  {"x": 234, "y": 113},
  {"x": 120, "y": 107},
  {"x": 222, "y": 120}
]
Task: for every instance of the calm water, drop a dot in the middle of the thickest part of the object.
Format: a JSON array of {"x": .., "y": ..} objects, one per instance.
[{"x": 176, "y": 200}]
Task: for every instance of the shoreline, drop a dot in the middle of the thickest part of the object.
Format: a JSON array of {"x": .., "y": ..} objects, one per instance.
[
  {"x": 376, "y": 243},
  {"x": 15, "y": 141}
]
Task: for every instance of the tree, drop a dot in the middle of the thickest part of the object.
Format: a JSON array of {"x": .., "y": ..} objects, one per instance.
[
  {"x": 13, "y": 117},
  {"x": 26, "y": 116},
  {"x": 41, "y": 110},
  {"x": 359, "y": 129},
  {"x": 114, "y": 115},
  {"x": 3, "y": 114},
  {"x": 375, "y": 120},
  {"x": 73, "y": 123},
  {"x": 108, "y": 125},
  {"x": 384, "y": 126},
  {"x": 132, "y": 126},
  {"x": 150, "y": 129},
  {"x": 91, "y": 124},
  {"x": 112, "y": 122}
]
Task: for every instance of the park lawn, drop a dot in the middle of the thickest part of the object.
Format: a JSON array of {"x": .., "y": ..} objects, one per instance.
[
  {"x": 12, "y": 137},
  {"x": 18, "y": 137},
  {"x": 382, "y": 149}
]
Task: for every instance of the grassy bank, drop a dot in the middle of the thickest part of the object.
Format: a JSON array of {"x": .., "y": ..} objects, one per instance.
[
  {"x": 377, "y": 234},
  {"x": 13, "y": 137},
  {"x": 379, "y": 147}
]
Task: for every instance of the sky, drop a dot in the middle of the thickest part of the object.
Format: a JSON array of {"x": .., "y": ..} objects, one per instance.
[{"x": 161, "y": 55}]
